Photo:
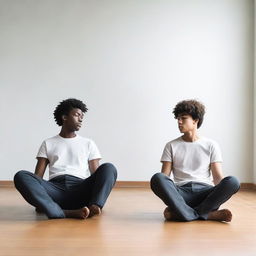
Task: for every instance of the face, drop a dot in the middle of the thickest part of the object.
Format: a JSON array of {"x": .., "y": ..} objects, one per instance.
[
  {"x": 73, "y": 121},
  {"x": 186, "y": 123}
]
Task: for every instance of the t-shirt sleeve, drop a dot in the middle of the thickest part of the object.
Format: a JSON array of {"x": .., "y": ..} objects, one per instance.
[
  {"x": 42, "y": 152},
  {"x": 94, "y": 152},
  {"x": 167, "y": 153},
  {"x": 215, "y": 153}
]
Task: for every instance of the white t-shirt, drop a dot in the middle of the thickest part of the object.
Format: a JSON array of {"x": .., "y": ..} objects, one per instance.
[
  {"x": 191, "y": 160},
  {"x": 69, "y": 155}
]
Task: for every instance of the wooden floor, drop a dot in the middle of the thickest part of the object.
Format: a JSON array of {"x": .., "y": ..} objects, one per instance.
[{"x": 131, "y": 224}]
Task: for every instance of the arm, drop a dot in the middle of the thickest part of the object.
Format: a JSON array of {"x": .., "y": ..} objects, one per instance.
[
  {"x": 41, "y": 166},
  {"x": 93, "y": 165},
  {"x": 166, "y": 168},
  {"x": 217, "y": 173}
]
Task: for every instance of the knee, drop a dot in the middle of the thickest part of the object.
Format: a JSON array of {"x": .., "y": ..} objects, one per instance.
[
  {"x": 19, "y": 176},
  {"x": 156, "y": 179},
  {"x": 232, "y": 182},
  {"x": 109, "y": 169}
]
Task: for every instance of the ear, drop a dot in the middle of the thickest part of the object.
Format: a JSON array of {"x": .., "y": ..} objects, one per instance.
[
  {"x": 64, "y": 118},
  {"x": 196, "y": 121}
]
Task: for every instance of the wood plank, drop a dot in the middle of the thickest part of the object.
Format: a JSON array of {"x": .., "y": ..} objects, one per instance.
[{"x": 131, "y": 224}]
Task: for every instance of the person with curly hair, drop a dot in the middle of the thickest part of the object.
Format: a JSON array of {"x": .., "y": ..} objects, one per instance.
[
  {"x": 193, "y": 161},
  {"x": 78, "y": 186}
]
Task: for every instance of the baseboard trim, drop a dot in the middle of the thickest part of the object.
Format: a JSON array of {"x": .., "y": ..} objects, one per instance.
[
  {"x": 146, "y": 184},
  {"x": 248, "y": 186},
  {"x": 132, "y": 184},
  {"x": 119, "y": 184},
  {"x": 6, "y": 183}
]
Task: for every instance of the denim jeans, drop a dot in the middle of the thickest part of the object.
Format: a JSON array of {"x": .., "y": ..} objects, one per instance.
[
  {"x": 66, "y": 191},
  {"x": 193, "y": 200}
]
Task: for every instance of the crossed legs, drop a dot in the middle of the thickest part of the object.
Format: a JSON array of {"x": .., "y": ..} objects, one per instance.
[
  {"x": 88, "y": 197},
  {"x": 187, "y": 204},
  {"x": 83, "y": 200}
]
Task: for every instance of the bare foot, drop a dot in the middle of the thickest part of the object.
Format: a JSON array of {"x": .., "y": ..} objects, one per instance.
[
  {"x": 94, "y": 210},
  {"x": 220, "y": 215},
  {"x": 82, "y": 213},
  {"x": 167, "y": 214}
]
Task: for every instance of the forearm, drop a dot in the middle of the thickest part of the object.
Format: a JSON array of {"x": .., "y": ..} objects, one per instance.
[
  {"x": 166, "y": 168},
  {"x": 39, "y": 173},
  {"x": 217, "y": 180},
  {"x": 217, "y": 173},
  {"x": 41, "y": 166},
  {"x": 93, "y": 165},
  {"x": 166, "y": 172}
]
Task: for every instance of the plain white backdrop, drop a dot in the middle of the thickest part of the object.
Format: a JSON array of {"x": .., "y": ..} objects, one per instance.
[{"x": 130, "y": 62}]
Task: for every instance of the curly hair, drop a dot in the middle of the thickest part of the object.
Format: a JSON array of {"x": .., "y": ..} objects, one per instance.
[
  {"x": 65, "y": 107},
  {"x": 193, "y": 108}
]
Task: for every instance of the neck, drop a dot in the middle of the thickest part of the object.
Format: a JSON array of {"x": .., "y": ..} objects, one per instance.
[
  {"x": 67, "y": 134},
  {"x": 190, "y": 136}
]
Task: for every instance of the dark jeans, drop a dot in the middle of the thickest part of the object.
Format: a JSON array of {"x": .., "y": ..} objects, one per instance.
[
  {"x": 66, "y": 191},
  {"x": 193, "y": 200}
]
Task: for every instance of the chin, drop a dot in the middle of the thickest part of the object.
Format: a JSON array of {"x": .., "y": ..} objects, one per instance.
[{"x": 77, "y": 127}]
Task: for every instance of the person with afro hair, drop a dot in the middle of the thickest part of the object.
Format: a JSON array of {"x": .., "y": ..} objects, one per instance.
[
  {"x": 78, "y": 186},
  {"x": 193, "y": 161}
]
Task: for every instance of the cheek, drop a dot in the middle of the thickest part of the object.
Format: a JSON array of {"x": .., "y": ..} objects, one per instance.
[
  {"x": 189, "y": 123},
  {"x": 193, "y": 123},
  {"x": 73, "y": 120}
]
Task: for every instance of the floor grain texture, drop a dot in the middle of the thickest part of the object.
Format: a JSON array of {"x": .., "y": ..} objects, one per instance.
[{"x": 131, "y": 224}]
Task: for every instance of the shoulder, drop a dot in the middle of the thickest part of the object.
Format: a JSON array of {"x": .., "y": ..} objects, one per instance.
[
  {"x": 87, "y": 141},
  {"x": 46, "y": 145},
  {"x": 51, "y": 139},
  {"x": 79, "y": 137},
  {"x": 174, "y": 142},
  {"x": 209, "y": 142}
]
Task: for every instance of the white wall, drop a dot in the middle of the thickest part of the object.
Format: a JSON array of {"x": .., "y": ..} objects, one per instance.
[
  {"x": 130, "y": 61},
  {"x": 254, "y": 93}
]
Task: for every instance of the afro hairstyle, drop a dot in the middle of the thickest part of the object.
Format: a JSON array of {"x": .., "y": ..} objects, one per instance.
[
  {"x": 65, "y": 107},
  {"x": 193, "y": 108}
]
